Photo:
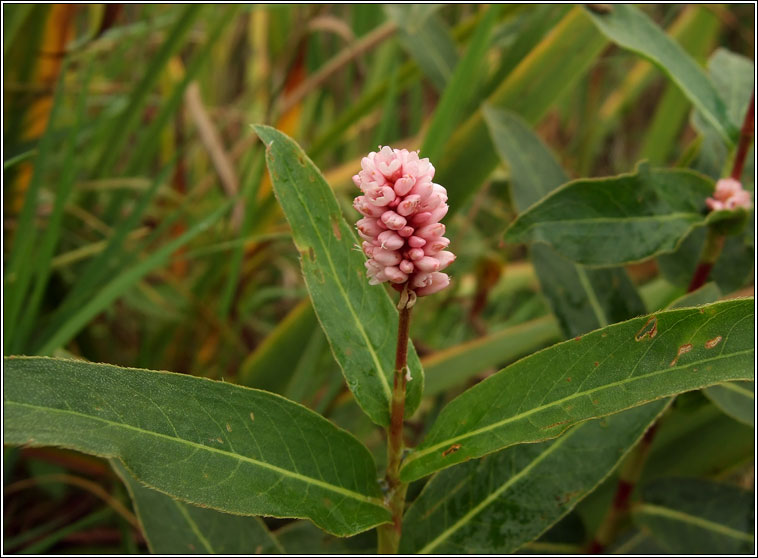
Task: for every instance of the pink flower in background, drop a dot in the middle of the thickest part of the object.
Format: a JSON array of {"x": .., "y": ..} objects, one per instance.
[
  {"x": 729, "y": 194},
  {"x": 400, "y": 228}
]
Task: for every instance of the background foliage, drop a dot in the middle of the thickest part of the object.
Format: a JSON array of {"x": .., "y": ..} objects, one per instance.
[{"x": 141, "y": 230}]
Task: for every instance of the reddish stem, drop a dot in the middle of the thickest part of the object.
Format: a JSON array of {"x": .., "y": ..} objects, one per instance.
[
  {"x": 389, "y": 536},
  {"x": 746, "y": 136},
  {"x": 714, "y": 242}
]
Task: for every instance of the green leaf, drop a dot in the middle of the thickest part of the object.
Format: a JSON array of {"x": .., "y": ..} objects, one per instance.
[
  {"x": 208, "y": 443},
  {"x": 617, "y": 220},
  {"x": 302, "y": 537},
  {"x": 359, "y": 319},
  {"x": 498, "y": 503},
  {"x": 461, "y": 88},
  {"x": 548, "y": 71},
  {"x": 628, "y": 27},
  {"x": 273, "y": 362},
  {"x": 598, "y": 374},
  {"x": 426, "y": 37},
  {"x": 736, "y": 399},
  {"x": 454, "y": 366},
  {"x": 705, "y": 294},
  {"x": 174, "y": 527},
  {"x": 583, "y": 299},
  {"x": 696, "y": 516},
  {"x": 697, "y": 439}
]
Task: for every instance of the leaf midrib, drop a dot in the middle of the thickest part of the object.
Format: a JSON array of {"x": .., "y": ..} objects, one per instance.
[
  {"x": 661, "y": 511},
  {"x": 297, "y": 476},
  {"x": 369, "y": 346},
  {"x": 493, "y": 496},
  {"x": 679, "y": 215},
  {"x": 495, "y": 425},
  {"x": 194, "y": 527},
  {"x": 731, "y": 386}
]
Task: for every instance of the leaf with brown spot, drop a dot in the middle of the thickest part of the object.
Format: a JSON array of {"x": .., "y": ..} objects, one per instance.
[{"x": 526, "y": 401}]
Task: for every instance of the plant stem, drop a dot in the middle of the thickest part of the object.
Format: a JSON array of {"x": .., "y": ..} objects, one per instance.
[
  {"x": 628, "y": 476},
  {"x": 746, "y": 135},
  {"x": 715, "y": 241},
  {"x": 389, "y": 535}
]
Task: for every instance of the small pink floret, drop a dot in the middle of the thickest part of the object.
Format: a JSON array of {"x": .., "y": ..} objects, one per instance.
[{"x": 729, "y": 194}]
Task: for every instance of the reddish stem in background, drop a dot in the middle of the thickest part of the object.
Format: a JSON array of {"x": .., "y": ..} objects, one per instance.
[
  {"x": 746, "y": 135},
  {"x": 715, "y": 241}
]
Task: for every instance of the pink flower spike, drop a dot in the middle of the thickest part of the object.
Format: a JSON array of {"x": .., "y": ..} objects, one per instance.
[{"x": 402, "y": 208}]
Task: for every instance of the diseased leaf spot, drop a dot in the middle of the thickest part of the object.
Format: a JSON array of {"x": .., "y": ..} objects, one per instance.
[
  {"x": 252, "y": 416},
  {"x": 577, "y": 338},
  {"x": 568, "y": 379},
  {"x": 219, "y": 440},
  {"x": 336, "y": 229},
  {"x": 311, "y": 253},
  {"x": 596, "y": 363},
  {"x": 713, "y": 342},
  {"x": 650, "y": 329},
  {"x": 549, "y": 426},
  {"x": 451, "y": 449},
  {"x": 682, "y": 350},
  {"x": 228, "y": 427}
]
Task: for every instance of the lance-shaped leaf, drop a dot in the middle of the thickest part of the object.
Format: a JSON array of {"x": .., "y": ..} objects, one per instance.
[
  {"x": 174, "y": 527},
  {"x": 500, "y": 502},
  {"x": 551, "y": 68},
  {"x": 583, "y": 299},
  {"x": 696, "y": 516},
  {"x": 360, "y": 320},
  {"x": 618, "y": 220},
  {"x": 603, "y": 372},
  {"x": 209, "y": 443},
  {"x": 628, "y": 27},
  {"x": 736, "y": 399}
]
